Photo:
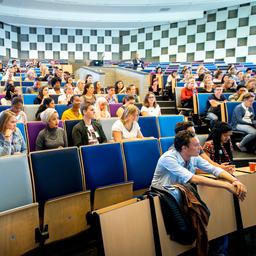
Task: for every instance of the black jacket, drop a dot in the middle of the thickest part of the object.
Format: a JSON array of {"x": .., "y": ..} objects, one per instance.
[{"x": 80, "y": 136}]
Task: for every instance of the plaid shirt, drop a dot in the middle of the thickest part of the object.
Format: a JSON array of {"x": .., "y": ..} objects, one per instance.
[{"x": 210, "y": 151}]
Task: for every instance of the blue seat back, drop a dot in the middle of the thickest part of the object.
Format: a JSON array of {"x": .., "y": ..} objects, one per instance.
[
  {"x": 15, "y": 182},
  {"x": 230, "y": 106},
  {"x": 167, "y": 124},
  {"x": 56, "y": 173},
  {"x": 21, "y": 126},
  {"x": 148, "y": 126},
  {"x": 120, "y": 97},
  {"x": 166, "y": 143},
  {"x": 29, "y": 98},
  {"x": 61, "y": 108},
  {"x": 202, "y": 99},
  {"x": 103, "y": 165},
  {"x": 68, "y": 126},
  {"x": 2, "y": 108},
  {"x": 24, "y": 83},
  {"x": 141, "y": 159}
]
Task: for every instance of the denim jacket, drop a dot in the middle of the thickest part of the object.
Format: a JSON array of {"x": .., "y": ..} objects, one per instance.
[{"x": 17, "y": 144}]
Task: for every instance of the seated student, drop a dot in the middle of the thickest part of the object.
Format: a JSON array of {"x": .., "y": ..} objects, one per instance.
[
  {"x": 111, "y": 97},
  {"x": 56, "y": 85},
  {"x": 207, "y": 79},
  {"x": 119, "y": 87},
  {"x": 88, "y": 79},
  {"x": 131, "y": 90},
  {"x": 17, "y": 109},
  {"x": 179, "y": 165},
  {"x": 213, "y": 104},
  {"x": 172, "y": 83},
  {"x": 10, "y": 94},
  {"x": 127, "y": 127},
  {"x": 150, "y": 106},
  {"x": 219, "y": 148},
  {"x": 189, "y": 126},
  {"x": 187, "y": 93},
  {"x": 42, "y": 94},
  {"x": 228, "y": 83},
  {"x": 127, "y": 100},
  {"x": 218, "y": 76},
  {"x": 138, "y": 63},
  {"x": 98, "y": 88},
  {"x": 51, "y": 136},
  {"x": 101, "y": 108},
  {"x": 47, "y": 103},
  {"x": 31, "y": 75},
  {"x": 218, "y": 145},
  {"x": 68, "y": 93},
  {"x": 240, "y": 92},
  {"x": 88, "y": 94},
  {"x": 88, "y": 131},
  {"x": 155, "y": 87},
  {"x": 251, "y": 85},
  {"x": 208, "y": 87},
  {"x": 74, "y": 112},
  {"x": 11, "y": 139},
  {"x": 243, "y": 119},
  {"x": 79, "y": 87},
  {"x": 35, "y": 88}
]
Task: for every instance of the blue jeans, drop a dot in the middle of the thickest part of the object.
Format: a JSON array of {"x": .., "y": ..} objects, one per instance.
[{"x": 251, "y": 131}]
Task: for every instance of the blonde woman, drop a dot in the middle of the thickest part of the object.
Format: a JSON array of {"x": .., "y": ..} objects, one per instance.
[
  {"x": 11, "y": 140},
  {"x": 127, "y": 128},
  {"x": 101, "y": 108}
]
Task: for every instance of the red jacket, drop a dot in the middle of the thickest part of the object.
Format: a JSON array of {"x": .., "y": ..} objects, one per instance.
[{"x": 186, "y": 94}]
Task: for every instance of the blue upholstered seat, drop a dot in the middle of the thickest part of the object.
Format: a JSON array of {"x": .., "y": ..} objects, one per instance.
[
  {"x": 148, "y": 126},
  {"x": 60, "y": 108},
  {"x": 166, "y": 143},
  {"x": 141, "y": 158},
  {"x": 120, "y": 97},
  {"x": 68, "y": 126},
  {"x": 29, "y": 98},
  {"x": 21, "y": 126},
  {"x": 103, "y": 165},
  {"x": 167, "y": 124},
  {"x": 15, "y": 182},
  {"x": 56, "y": 173}
]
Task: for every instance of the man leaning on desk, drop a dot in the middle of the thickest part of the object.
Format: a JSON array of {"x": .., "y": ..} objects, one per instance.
[{"x": 179, "y": 166}]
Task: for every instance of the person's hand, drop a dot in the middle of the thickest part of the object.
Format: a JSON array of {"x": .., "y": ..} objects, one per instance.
[
  {"x": 228, "y": 167},
  {"x": 8, "y": 133},
  {"x": 238, "y": 189},
  {"x": 241, "y": 189}
]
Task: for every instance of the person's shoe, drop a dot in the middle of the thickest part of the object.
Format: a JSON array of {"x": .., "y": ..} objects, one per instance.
[{"x": 242, "y": 149}]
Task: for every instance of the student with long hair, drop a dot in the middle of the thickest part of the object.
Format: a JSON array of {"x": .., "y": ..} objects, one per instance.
[
  {"x": 11, "y": 139},
  {"x": 47, "y": 103},
  {"x": 150, "y": 106},
  {"x": 218, "y": 145},
  {"x": 127, "y": 127}
]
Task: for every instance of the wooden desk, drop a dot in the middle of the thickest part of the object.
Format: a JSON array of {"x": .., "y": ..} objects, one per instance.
[{"x": 248, "y": 206}]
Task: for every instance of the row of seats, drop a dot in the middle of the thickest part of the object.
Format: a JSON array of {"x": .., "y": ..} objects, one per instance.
[
  {"x": 60, "y": 179},
  {"x": 163, "y": 126}
]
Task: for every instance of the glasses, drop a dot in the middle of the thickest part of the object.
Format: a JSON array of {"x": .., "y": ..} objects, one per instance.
[{"x": 151, "y": 97}]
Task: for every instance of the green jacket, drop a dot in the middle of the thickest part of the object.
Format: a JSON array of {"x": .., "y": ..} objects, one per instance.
[{"x": 80, "y": 136}]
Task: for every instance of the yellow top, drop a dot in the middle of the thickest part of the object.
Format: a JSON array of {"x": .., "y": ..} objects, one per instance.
[{"x": 69, "y": 114}]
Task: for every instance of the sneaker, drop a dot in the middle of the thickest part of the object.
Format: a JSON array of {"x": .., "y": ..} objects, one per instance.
[{"x": 242, "y": 149}]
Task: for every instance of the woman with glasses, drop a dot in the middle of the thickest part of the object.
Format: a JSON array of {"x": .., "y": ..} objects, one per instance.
[{"x": 150, "y": 106}]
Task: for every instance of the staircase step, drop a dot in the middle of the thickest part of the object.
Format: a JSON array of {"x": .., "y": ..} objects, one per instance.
[
  {"x": 165, "y": 103},
  {"x": 168, "y": 110}
]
